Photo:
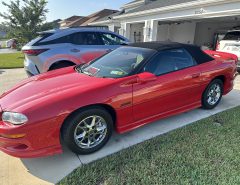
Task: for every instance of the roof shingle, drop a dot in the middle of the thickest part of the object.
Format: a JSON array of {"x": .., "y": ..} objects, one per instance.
[{"x": 91, "y": 18}]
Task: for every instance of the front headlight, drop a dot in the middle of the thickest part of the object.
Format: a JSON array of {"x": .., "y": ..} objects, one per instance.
[{"x": 14, "y": 118}]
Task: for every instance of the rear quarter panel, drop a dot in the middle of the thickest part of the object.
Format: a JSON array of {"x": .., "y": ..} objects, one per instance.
[{"x": 218, "y": 68}]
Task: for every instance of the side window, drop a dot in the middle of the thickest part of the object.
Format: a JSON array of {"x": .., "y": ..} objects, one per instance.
[
  {"x": 80, "y": 38},
  {"x": 65, "y": 39},
  {"x": 170, "y": 61},
  {"x": 84, "y": 38},
  {"x": 110, "y": 39}
]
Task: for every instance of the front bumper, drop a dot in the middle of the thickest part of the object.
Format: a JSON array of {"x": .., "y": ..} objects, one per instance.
[
  {"x": 21, "y": 148},
  {"x": 37, "y": 142}
]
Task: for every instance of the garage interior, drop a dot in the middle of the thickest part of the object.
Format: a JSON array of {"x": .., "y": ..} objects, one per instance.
[
  {"x": 203, "y": 32},
  {"x": 136, "y": 32}
]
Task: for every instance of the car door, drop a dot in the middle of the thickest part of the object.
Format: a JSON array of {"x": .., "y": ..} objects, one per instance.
[
  {"x": 176, "y": 86},
  {"x": 86, "y": 46}
]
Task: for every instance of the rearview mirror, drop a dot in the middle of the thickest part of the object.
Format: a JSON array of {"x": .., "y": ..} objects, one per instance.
[{"x": 146, "y": 77}]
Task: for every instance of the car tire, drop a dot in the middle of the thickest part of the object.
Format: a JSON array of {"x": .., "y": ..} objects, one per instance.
[
  {"x": 212, "y": 94},
  {"x": 78, "y": 130}
]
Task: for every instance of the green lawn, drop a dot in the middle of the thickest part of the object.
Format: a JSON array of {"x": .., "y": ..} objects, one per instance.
[
  {"x": 206, "y": 152},
  {"x": 11, "y": 60}
]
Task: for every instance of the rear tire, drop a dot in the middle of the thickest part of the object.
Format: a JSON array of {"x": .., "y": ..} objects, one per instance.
[
  {"x": 212, "y": 94},
  {"x": 87, "y": 131}
]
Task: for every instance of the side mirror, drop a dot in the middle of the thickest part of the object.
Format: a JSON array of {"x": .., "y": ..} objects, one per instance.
[{"x": 146, "y": 77}]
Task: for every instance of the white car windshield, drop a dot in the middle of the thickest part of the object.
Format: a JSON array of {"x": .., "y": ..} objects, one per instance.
[{"x": 234, "y": 35}]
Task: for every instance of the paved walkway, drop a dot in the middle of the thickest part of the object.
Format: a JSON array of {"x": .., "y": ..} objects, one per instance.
[
  {"x": 52, "y": 169},
  {"x": 12, "y": 170},
  {"x": 10, "y": 77}
]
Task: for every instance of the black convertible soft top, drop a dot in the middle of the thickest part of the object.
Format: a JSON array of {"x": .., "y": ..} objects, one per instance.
[
  {"x": 159, "y": 46},
  {"x": 195, "y": 51}
]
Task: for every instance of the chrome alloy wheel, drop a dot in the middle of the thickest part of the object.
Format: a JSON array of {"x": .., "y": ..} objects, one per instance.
[
  {"x": 214, "y": 94},
  {"x": 90, "y": 132}
]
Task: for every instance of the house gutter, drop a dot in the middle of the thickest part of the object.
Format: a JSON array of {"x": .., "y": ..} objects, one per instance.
[
  {"x": 103, "y": 22},
  {"x": 100, "y": 22}
]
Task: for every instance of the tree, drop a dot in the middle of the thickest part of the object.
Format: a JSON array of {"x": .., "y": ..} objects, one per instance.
[
  {"x": 25, "y": 18},
  {"x": 4, "y": 27},
  {"x": 51, "y": 25},
  {"x": 3, "y": 31}
]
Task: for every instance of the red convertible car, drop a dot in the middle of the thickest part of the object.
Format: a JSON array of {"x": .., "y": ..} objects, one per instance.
[{"x": 123, "y": 90}]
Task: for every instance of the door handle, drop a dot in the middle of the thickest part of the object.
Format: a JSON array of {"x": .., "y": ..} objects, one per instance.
[
  {"x": 196, "y": 75},
  {"x": 75, "y": 50}
]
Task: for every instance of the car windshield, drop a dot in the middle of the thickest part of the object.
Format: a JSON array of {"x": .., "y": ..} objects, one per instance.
[
  {"x": 235, "y": 35},
  {"x": 119, "y": 63}
]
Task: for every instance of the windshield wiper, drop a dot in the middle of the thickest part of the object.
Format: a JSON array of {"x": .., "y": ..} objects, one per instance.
[{"x": 79, "y": 68}]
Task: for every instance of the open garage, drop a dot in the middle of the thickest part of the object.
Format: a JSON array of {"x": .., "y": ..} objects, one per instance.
[{"x": 202, "y": 32}]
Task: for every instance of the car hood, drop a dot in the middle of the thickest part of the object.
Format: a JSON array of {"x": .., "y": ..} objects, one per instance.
[{"x": 49, "y": 84}]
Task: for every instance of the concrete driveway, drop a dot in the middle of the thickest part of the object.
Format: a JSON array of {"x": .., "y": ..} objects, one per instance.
[{"x": 51, "y": 169}]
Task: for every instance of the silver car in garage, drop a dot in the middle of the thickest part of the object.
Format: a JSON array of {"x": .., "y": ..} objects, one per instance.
[{"x": 60, "y": 48}]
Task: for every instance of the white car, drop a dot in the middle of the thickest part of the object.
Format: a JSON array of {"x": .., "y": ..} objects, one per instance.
[
  {"x": 60, "y": 48},
  {"x": 231, "y": 44}
]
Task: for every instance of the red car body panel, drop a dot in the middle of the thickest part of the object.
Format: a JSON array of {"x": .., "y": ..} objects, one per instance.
[
  {"x": 222, "y": 55},
  {"x": 48, "y": 99}
]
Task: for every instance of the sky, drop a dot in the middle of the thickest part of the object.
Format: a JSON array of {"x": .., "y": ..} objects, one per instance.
[{"x": 61, "y": 9}]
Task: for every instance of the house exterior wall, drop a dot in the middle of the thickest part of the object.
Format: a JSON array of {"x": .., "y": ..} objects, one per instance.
[
  {"x": 184, "y": 32},
  {"x": 189, "y": 14},
  {"x": 216, "y": 9}
]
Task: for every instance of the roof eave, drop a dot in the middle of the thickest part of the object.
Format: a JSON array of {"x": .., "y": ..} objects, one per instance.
[
  {"x": 168, "y": 8},
  {"x": 130, "y": 5},
  {"x": 100, "y": 22}
]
